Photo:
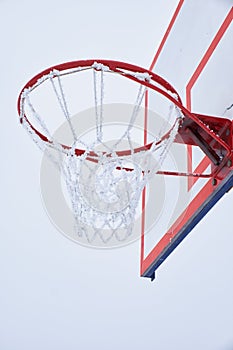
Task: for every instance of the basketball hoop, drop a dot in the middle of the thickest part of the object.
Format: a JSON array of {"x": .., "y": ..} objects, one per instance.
[{"x": 104, "y": 180}]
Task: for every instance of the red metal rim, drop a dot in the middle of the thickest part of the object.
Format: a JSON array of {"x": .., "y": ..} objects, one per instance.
[
  {"x": 124, "y": 69},
  {"x": 116, "y": 66}
]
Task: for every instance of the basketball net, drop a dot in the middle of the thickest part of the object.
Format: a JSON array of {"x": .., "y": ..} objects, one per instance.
[{"x": 104, "y": 184}]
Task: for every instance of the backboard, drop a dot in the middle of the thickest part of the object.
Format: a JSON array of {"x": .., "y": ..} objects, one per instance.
[{"x": 195, "y": 56}]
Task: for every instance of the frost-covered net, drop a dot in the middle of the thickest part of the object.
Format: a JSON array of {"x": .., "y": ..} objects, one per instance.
[{"x": 104, "y": 175}]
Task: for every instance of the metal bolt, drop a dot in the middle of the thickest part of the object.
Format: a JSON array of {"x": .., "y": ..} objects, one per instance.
[
  {"x": 229, "y": 163},
  {"x": 214, "y": 182}
]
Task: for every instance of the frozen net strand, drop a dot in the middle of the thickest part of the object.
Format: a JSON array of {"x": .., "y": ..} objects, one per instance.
[
  {"x": 99, "y": 110},
  {"x": 61, "y": 99},
  {"x": 51, "y": 148}
]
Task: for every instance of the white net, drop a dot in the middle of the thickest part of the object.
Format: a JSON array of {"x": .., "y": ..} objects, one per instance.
[{"x": 103, "y": 180}]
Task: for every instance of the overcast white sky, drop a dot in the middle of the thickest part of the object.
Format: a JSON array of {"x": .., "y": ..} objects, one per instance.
[{"x": 56, "y": 294}]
